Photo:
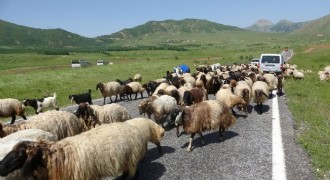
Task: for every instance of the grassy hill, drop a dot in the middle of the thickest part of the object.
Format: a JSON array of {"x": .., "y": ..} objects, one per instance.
[
  {"x": 319, "y": 27},
  {"x": 171, "y": 27},
  {"x": 13, "y": 36}
]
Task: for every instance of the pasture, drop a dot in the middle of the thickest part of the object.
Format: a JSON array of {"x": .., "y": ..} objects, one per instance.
[{"x": 31, "y": 75}]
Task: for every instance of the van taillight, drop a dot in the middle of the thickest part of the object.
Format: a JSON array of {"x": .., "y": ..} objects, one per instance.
[{"x": 258, "y": 65}]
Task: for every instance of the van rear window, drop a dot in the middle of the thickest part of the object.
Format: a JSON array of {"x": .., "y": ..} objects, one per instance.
[{"x": 270, "y": 59}]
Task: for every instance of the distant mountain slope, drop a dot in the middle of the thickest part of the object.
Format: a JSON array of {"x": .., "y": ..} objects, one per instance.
[
  {"x": 13, "y": 35},
  {"x": 283, "y": 26},
  {"x": 319, "y": 27},
  {"x": 170, "y": 26},
  {"x": 262, "y": 25}
]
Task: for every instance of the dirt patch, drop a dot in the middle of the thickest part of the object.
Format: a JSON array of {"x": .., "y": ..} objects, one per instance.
[{"x": 322, "y": 46}]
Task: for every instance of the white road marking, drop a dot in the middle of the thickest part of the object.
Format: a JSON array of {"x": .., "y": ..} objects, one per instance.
[{"x": 278, "y": 156}]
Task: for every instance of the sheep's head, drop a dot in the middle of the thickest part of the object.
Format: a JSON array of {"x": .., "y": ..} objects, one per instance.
[
  {"x": 100, "y": 86},
  {"x": 15, "y": 159},
  {"x": 179, "y": 118},
  {"x": 2, "y": 132}
]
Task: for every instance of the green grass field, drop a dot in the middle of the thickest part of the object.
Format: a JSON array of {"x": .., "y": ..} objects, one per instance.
[{"x": 31, "y": 75}]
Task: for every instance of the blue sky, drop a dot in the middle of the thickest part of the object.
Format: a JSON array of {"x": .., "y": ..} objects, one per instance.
[{"x": 93, "y": 18}]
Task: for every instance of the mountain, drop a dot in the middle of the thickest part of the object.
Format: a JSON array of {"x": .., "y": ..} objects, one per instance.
[
  {"x": 317, "y": 27},
  {"x": 262, "y": 25},
  {"x": 170, "y": 27},
  {"x": 285, "y": 26},
  {"x": 22, "y": 37}
]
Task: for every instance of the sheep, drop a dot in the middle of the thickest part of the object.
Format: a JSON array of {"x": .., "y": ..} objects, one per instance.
[
  {"x": 7, "y": 143},
  {"x": 181, "y": 91},
  {"x": 231, "y": 100},
  {"x": 60, "y": 123},
  {"x": 271, "y": 80},
  {"x": 163, "y": 86},
  {"x": 10, "y": 108},
  {"x": 79, "y": 98},
  {"x": 195, "y": 95},
  {"x": 161, "y": 106},
  {"x": 298, "y": 75},
  {"x": 137, "y": 88},
  {"x": 144, "y": 105},
  {"x": 42, "y": 103},
  {"x": 137, "y": 77},
  {"x": 153, "y": 132},
  {"x": 260, "y": 93},
  {"x": 82, "y": 156},
  {"x": 127, "y": 91},
  {"x": 243, "y": 90},
  {"x": 150, "y": 87},
  {"x": 102, "y": 114},
  {"x": 108, "y": 89},
  {"x": 280, "y": 84},
  {"x": 206, "y": 115},
  {"x": 324, "y": 75}
]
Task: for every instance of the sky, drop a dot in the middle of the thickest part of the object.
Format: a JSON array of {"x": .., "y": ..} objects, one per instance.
[{"x": 92, "y": 18}]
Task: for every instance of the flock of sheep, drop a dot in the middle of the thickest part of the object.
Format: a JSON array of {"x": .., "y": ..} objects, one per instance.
[{"x": 99, "y": 141}]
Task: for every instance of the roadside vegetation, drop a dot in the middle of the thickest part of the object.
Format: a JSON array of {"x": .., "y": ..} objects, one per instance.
[{"x": 37, "y": 74}]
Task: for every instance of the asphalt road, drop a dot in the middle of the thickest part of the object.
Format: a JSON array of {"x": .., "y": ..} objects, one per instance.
[{"x": 246, "y": 152}]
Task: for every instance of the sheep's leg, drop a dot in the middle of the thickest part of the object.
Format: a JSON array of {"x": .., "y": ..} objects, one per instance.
[
  {"x": 141, "y": 95},
  {"x": 260, "y": 108},
  {"x": 136, "y": 95},
  {"x": 159, "y": 147},
  {"x": 221, "y": 132},
  {"x": 24, "y": 117},
  {"x": 116, "y": 98},
  {"x": 190, "y": 142},
  {"x": 177, "y": 131},
  {"x": 203, "y": 138},
  {"x": 13, "y": 118},
  {"x": 104, "y": 100}
]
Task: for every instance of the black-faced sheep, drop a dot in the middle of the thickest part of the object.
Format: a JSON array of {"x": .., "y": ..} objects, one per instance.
[
  {"x": 260, "y": 93},
  {"x": 10, "y": 108},
  {"x": 127, "y": 91},
  {"x": 195, "y": 95},
  {"x": 82, "y": 156},
  {"x": 150, "y": 87},
  {"x": 7, "y": 143},
  {"x": 109, "y": 89},
  {"x": 95, "y": 114},
  {"x": 42, "y": 103},
  {"x": 80, "y": 98},
  {"x": 206, "y": 115},
  {"x": 144, "y": 105},
  {"x": 137, "y": 88},
  {"x": 60, "y": 123}
]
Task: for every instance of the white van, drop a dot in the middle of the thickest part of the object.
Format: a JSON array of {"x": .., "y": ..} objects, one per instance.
[{"x": 271, "y": 63}]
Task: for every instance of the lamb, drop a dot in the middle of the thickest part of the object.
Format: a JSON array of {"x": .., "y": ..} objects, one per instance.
[
  {"x": 82, "y": 156},
  {"x": 42, "y": 103},
  {"x": 102, "y": 114},
  {"x": 137, "y": 77},
  {"x": 7, "y": 143},
  {"x": 60, "y": 123},
  {"x": 79, "y": 98},
  {"x": 243, "y": 90},
  {"x": 195, "y": 95},
  {"x": 10, "y": 108},
  {"x": 137, "y": 88},
  {"x": 231, "y": 100},
  {"x": 161, "y": 106},
  {"x": 109, "y": 89},
  {"x": 260, "y": 93},
  {"x": 153, "y": 132},
  {"x": 206, "y": 115}
]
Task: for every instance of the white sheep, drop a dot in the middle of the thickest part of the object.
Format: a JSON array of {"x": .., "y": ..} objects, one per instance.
[
  {"x": 260, "y": 93},
  {"x": 42, "y": 103},
  {"x": 153, "y": 132},
  {"x": 109, "y": 89},
  {"x": 324, "y": 75},
  {"x": 144, "y": 105},
  {"x": 10, "y": 108},
  {"x": 243, "y": 90},
  {"x": 137, "y": 77},
  {"x": 95, "y": 114},
  {"x": 60, "y": 123},
  {"x": 298, "y": 75},
  {"x": 161, "y": 107},
  {"x": 109, "y": 150},
  {"x": 206, "y": 115},
  {"x": 137, "y": 88},
  {"x": 231, "y": 100},
  {"x": 271, "y": 80},
  {"x": 161, "y": 86}
]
